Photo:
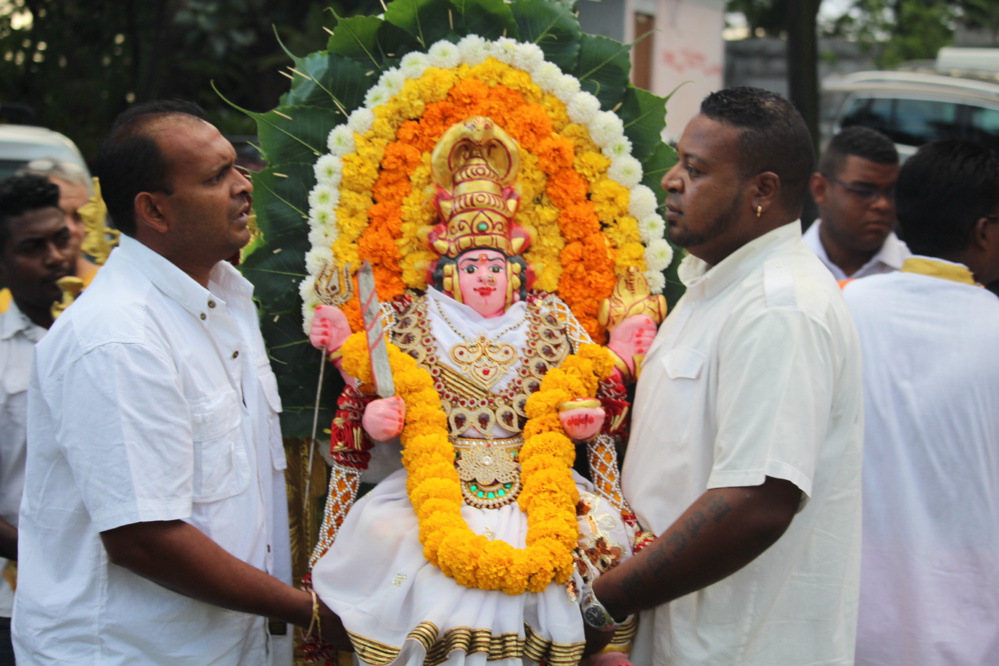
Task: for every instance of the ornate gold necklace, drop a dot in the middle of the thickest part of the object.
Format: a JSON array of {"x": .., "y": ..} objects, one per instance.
[{"x": 482, "y": 360}]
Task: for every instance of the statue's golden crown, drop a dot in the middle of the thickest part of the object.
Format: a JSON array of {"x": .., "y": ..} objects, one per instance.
[{"x": 474, "y": 167}]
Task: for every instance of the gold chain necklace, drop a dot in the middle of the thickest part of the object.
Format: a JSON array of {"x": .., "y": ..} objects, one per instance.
[{"x": 483, "y": 360}]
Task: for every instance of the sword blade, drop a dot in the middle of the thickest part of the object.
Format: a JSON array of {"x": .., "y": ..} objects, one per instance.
[{"x": 375, "y": 331}]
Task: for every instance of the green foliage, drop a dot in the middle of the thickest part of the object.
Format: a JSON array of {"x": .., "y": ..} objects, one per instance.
[{"x": 330, "y": 83}]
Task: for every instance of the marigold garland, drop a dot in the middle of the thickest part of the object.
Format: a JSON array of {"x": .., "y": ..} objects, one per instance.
[{"x": 549, "y": 494}]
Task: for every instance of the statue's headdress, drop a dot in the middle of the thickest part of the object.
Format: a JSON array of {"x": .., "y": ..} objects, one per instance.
[{"x": 474, "y": 168}]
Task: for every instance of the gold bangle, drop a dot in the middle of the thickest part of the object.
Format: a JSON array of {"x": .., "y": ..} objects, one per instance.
[{"x": 314, "y": 622}]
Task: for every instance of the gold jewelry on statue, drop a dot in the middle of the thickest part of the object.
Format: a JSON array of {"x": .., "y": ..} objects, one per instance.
[
  {"x": 631, "y": 296},
  {"x": 489, "y": 470},
  {"x": 759, "y": 210}
]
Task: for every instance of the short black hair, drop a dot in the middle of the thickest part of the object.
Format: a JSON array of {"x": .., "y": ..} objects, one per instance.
[
  {"x": 130, "y": 161},
  {"x": 773, "y": 137},
  {"x": 21, "y": 194},
  {"x": 857, "y": 140},
  {"x": 942, "y": 192}
]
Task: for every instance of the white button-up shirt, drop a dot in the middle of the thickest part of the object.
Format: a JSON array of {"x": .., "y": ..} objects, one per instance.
[
  {"x": 18, "y": 336},
  {"x": 888, "y": 259},
  {"x": 930, "y": 568},
  {"x": 151, "y": 399},
  {"x": 755, "y": 373}
]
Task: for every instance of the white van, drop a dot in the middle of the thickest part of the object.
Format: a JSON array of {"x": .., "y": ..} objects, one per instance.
[
  {"x": 945, "y": 99},
  {"x": 20, "y": 144}
]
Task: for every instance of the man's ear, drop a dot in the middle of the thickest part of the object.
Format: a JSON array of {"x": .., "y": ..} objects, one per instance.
[
  {"x": 818, "y": 185},
  {"x": 765, "y": 191},
  {"x": 149, "y": 212}
]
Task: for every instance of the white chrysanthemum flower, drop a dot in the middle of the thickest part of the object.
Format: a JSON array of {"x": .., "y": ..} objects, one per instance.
[
  {"x": 323, "y": 197},
  {"x": 340, "y": 141},
  {"x": 377, "y": 95},
  {"x": 413, "y": 64},
  {"x": 444, "y": 54},
  {"x": 505, "y": 50},
  {"x": 651, "y": 227},
  {"x": 618, "y": 147},
  {"x": 606, "y": 129},
  {"x": 361, "y": 120},
  {"x": 322, "y": 233},
  {"x": 317, "y": 259},
  {"x": 309, "y": 301},
  {"x": 625, "y": 170},
  {"x": 528, "y": 57},
  {"x": 392, "y": 80},
  {"x": 566, "y": 88},
  {"x": 474, "y": 49},
  {"x": 548, "y": 76},
  {"x": 583, "y": 108},
  {"x": 642, "y": 202},
  {"x": 656, "y": 280},
  {"x": 328, "y": 170},
  {"x": 658, "y": 255}
]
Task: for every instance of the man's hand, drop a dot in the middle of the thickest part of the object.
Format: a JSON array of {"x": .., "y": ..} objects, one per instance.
[{"x": 384, "y": 418}]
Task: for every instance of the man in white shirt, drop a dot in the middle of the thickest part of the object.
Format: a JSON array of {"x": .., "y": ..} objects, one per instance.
[
  {"x": 152, "y": 522},
  {"x": 36, "y": 250},
  {"x": 854, "y": 189},
  {"x": 744, "y": 456},
  {"x": 929, "y": 590}
]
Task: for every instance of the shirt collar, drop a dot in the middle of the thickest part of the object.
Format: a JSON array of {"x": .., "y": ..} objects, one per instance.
[
  {"x": 893, "y": 251},
  {"x": 224, "y": 280},
  {"x": 939, "y": 268},
  {"x": 13, "y": 322},
  {"x": 703, "y": 280}
]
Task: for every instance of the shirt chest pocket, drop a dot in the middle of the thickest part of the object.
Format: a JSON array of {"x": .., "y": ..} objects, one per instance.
[
  {"x": 221, "y": 468},
  {"x": 685, "y": 370}
]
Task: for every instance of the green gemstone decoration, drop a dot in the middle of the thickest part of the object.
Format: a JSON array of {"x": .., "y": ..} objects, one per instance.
[
  {"x": 473, "y": 487},
  {"x": 492, "y": 495},
  {"x": 502, "y": 492},
  {"x": 482, "y": 226},
  {"x": 480, "y": 494}
]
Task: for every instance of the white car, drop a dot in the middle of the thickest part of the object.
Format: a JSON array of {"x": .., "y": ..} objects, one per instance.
[
  {"x": 21, "y": 144},
  {"x": 939, "y": 100}
]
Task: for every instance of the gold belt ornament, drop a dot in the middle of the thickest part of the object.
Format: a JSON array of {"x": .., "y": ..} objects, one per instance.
[{"x": 489, "y": 470}]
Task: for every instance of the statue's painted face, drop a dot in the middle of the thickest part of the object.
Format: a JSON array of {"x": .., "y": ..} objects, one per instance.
[{"x": 482, "y": 278}]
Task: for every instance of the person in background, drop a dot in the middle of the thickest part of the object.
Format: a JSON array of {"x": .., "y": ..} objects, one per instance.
[
  {"x": 854, "y": 190},
  {"x": 154, "y": 482},
  {"x": 929, "y": 591},
  {"x": 745, "y": 448},
  {"x": 35, "y": 252}
]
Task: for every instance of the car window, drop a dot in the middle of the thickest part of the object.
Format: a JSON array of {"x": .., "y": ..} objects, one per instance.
[
  {"x": 983, "y": 126},
  {"x": 912, "y": 122}
]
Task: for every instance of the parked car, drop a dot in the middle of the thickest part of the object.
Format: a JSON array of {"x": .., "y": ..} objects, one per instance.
[
  {"x": 20, "y": 144},
  {"x": 928, "y": 102}
]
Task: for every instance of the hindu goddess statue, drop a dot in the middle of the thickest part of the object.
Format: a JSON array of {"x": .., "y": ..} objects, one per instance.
[{"x": 480, "y": 543}]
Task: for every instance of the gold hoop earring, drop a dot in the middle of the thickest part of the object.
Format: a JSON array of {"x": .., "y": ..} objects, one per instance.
[{"x": 759, "y": 211}]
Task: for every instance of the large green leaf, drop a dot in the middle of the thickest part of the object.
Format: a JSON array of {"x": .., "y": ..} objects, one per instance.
[
  {"x": 552, "y": 25},
  {"x": 327, "y": 79},
  {"x": 276, "y": 269},
  {"x": 280, "y": 199},
  {"x": 370, "y": 41},
  {"x": 603, "y": 68},
  {"x": 426, "y": 20},
  {"x": 644, "y": 116},
  {"x": 489, "y": 19},
  {"x": 655, "y": 166},
  {"x": 295, "y": 133}
]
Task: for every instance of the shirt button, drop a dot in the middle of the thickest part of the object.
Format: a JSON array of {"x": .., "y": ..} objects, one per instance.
[
  {"x": 211, "y": 304},
  {"x": 235, "y": 353},
  {"x": 204, "y": 316}
]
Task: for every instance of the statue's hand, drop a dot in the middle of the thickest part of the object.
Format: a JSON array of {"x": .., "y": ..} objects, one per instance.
[
  {"x": 383, "y": 418},
  {"x": 631, "y": 338},
  {"x": 329, "y": 328},
  {"x": 581, "y": 418}
]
